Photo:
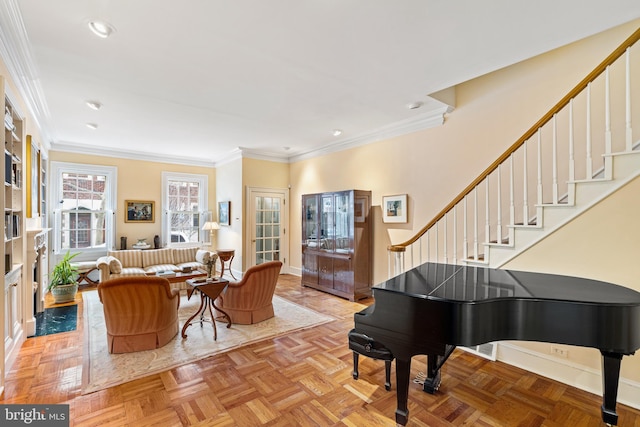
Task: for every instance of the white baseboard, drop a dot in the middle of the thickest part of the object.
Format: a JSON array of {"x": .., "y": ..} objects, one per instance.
[
  {"x": 567, "y": 372},
  {"x": 296, "y": 271}
]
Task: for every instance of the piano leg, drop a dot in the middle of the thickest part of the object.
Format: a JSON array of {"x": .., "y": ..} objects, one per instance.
[
  {"x": 403, "y": 369},
  {"x": 610, "y": 376},
  {"x": 432, "y": 382}
]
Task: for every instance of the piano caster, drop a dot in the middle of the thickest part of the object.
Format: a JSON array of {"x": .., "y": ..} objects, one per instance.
[
  {"x": 402, "y": 417},
  {"x": 609, "y": 418},
  {"x": 431, "y": 385}
]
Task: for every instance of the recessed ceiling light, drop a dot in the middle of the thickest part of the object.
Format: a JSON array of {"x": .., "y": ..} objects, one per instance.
[
  {"x": 101, "y": 28},
  {"x": 337, "y": 132},
  {"x": 94, "y": 105},
  {"x": 92, "y": 126},
  {"x": 414, "y": 105}
]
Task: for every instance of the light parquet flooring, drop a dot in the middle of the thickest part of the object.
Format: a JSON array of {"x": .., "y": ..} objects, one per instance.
[{"x": 300, "y": 379}]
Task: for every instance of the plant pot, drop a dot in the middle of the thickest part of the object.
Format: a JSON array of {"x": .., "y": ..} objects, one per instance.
[{"x": 64, "y": 293}]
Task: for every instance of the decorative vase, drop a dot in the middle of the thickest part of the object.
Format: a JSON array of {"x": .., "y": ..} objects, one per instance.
[
  {"x": 156, "y": 242},
  {"x": 64, "y": 293},
  {"x": 209, "y": 268}
]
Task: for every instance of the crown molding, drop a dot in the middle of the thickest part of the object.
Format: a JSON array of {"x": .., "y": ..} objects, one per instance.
[
  {"x": 70, "y": 147},
  {"x": 424, "y": 121},
  {"x": 16, "y": 54}
]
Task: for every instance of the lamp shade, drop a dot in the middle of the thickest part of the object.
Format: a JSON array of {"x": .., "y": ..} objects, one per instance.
[{"x": 211, "y": 225}]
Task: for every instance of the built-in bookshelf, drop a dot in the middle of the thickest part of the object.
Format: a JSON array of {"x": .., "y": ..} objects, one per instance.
[{"x": 13, "y": 188}]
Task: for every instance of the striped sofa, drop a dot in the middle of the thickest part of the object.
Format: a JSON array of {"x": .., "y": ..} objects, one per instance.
[{"x": 144, "y": 262}]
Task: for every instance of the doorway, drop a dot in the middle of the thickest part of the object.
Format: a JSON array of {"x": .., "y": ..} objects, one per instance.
[{"x": 267, "y": 226}]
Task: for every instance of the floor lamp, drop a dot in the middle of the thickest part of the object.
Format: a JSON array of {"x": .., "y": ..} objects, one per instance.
[{"x": 211, "y": 226}]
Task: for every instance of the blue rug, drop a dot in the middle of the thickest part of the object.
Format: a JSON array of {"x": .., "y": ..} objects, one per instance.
[{"x": 56, "y": 319}]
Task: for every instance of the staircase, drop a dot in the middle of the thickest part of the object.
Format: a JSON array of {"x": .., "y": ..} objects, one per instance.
[{"x": 575, "y": 156}]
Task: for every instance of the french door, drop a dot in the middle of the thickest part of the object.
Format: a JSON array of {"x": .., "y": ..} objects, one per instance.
[{"x": 267, "y": 226}]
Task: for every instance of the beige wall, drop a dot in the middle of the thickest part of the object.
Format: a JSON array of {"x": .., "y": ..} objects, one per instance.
[
  {"x": 138, "y": 180},
  {"x": 601, "y": 244},
  {"x": 229, "y": 188},
  {"x": 433, "y": 165},
  {"x": 260, "y": 174}
]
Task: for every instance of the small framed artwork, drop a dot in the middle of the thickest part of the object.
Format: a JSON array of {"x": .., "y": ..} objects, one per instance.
[
  {"x": 140, "y": 211},
  {"x": 359, "y": 209},
  {"x": 394, "y": 208},
  {"x": 224, "y": 213}
]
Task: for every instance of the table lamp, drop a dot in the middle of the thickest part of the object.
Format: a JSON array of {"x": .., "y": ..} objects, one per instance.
[{"x": 211, "y": 226}]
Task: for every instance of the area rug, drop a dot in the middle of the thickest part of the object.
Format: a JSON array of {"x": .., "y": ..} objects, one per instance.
[
  {"x": 56, "y": 319},
  {"x": 102, "y": 369}
]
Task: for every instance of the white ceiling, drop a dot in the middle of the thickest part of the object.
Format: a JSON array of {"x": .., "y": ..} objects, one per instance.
[{"x": 203, "y": 80}]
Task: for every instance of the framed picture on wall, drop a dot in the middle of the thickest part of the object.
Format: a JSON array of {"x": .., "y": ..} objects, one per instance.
[
  {"x": 224, "y": 213},
  {"x": 394, "y": 208},
  {"x": 139, "y": 211}
]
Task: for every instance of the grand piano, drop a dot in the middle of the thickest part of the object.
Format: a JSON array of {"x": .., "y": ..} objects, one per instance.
[{"x": 433, "y": 308}]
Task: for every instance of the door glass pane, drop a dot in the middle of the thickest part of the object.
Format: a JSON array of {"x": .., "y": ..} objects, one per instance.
[
  {"x": 327, "y": 228},
  {"x": 267, "y": 227},
  {"x": 311, "y": 221},
  {"x": 342, "y": 222}
]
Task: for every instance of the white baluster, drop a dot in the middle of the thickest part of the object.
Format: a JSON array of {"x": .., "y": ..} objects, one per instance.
[
  {"x": 428, "y": 244},
  {"x": 539, "y": 169},
  {"x": 572, "y": 161},
  {"x": 629, "y": 132},
  {"x": 525, "y": 186},
  {"x": 588, "y": 142},
  {"x": 444, "y": 241},
  {"x": 465, "y": 239},
  {"x": 437, "y": 255},
  {"x": 512, "y": 203},
  {"x": 411, "y": 255},
  {"x": 487, "y": 227},
  {"x": 554, "y": 160},
  {"x": 455, "y": 235},
  {"x": 608, "y": 161},
  {"x": 499, "y": 223},
  {"x": 607, "y": 112},
  {"x": 475, "y": 224}
]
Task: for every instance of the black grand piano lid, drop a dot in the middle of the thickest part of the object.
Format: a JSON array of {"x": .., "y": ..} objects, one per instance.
[{"x": 472, "y": 283}]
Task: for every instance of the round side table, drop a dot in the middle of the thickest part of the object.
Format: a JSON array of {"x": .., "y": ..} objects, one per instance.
[{"x": 226, "y": 255}]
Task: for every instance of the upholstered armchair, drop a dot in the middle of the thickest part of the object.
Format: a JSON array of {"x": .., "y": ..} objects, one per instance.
[
  {"x": 250, "y": 300},
  {"x": 140, "y": 312}
]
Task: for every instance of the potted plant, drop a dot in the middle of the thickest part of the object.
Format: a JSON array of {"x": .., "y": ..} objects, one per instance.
[{"x": 63, "y": 282}]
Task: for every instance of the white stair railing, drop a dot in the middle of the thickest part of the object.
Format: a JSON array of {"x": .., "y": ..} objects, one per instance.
[{"x": 563, "y": 148}]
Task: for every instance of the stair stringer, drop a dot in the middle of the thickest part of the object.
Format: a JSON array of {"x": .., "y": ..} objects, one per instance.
[{"x": 625, "y": 167}]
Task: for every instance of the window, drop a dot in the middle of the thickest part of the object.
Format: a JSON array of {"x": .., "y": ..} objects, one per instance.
[
  {"x": 185, "y": 208},
  {"x": 83, "y": 217}
]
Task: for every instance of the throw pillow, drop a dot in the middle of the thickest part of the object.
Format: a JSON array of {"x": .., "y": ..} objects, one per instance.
[
  {"x": 203, "y": 257},
  {"x": 115, "y": 266}
]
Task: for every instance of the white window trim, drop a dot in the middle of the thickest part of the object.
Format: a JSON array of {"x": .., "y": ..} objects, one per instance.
[
  {"x": 203, "y": 202},
  {"x": 55, "y": 184}
]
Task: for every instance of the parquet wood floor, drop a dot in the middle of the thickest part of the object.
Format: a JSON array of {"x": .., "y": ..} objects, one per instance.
[{"x": 300, "y": 379}]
